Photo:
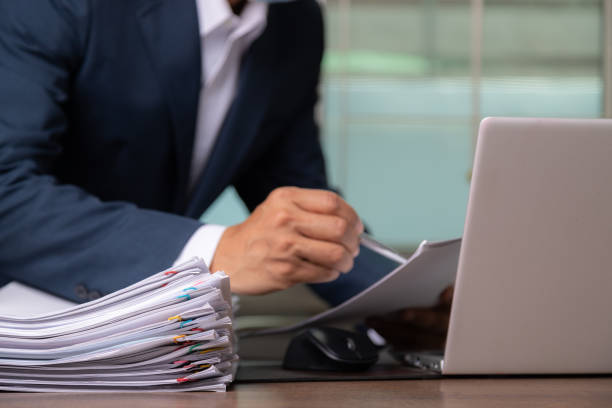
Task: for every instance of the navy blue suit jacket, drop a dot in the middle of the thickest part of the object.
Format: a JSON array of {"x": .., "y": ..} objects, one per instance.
[{"x": 98, "y": 102}]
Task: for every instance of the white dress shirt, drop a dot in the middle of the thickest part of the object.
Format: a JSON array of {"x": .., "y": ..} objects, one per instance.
[{"x": 224, "y": 37}]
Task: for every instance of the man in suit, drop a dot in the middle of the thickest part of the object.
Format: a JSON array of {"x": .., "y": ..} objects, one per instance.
[{"x": 121, "y": 121}]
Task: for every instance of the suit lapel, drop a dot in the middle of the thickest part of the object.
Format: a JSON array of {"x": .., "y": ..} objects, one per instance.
[
  {"x": 171, "y": 34},
  {"x": 242, "y": 122}
]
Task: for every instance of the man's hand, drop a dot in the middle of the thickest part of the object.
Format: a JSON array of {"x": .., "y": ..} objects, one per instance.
[
  {"x": 416, "y": 329},
  {"x": 296, "y": 235}
]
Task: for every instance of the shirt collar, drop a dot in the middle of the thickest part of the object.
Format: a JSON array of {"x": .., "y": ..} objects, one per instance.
[{"x": 212, "y": 13}]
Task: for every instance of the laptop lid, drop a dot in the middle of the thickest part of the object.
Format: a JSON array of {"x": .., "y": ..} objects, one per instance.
[{"x": 533, "y": 293}]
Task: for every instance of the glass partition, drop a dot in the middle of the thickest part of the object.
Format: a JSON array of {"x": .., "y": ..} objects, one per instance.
[{"x": 405, "y": 83}]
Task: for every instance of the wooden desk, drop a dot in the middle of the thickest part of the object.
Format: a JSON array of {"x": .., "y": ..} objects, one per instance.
[{"x": 539, "y": 392}]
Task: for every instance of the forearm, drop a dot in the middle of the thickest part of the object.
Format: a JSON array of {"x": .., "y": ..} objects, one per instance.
[{"x": 58, "y": 237}]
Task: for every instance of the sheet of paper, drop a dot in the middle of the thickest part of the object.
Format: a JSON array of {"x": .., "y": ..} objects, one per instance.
[
  {"x": 416, "y": 282},
  {"x": 20, "y": 300}
]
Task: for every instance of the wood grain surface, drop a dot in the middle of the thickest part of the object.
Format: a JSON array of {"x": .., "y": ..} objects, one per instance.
[{"x": 505, "y": 392}]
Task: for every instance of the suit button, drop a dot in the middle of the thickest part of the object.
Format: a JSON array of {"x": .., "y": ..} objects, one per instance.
[
  {"x": 93, "y": 295},
  {"x": 80, "y": 291}
]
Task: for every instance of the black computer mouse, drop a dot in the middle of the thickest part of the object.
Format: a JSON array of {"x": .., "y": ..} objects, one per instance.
[{"x": 330, "y": 349}]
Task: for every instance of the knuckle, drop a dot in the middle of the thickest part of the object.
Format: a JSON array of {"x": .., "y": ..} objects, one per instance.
[
  {"x": 340, "y": 228},
  {"x": 286, "y": 244},
  {"x": 355, "y": 223},
  {"x": 282, "y": 218},
  {"x": 336, "y": 254},
  {"x": 281, "y": 194},
  {"x": 331, "y": 201},
  {"x": 284, "y": 272}
]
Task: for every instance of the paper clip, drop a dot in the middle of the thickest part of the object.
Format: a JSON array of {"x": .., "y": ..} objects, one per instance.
[
  {"x": 177, "y": 337},
  {"x": 177, "y": 317},
  {"x": 205, "y": 366},
  {"x": 194, "y": 346},
  {"x": 184, "y": 322},
  {"x": 211, "y": 350},
  {"x": 187, "y": 295},
  {"x": 196, "y": 329},
  {"x": 182, "y": 380},
  {"x": 170, "y": 273},
  {"x": 181, "y": 361}
]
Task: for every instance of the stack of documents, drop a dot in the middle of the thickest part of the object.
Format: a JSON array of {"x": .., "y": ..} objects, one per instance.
[{"x": 169, "y": 332}]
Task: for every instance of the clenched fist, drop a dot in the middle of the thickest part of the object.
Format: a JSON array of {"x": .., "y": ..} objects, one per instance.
[{"x": 296, "y": 235}]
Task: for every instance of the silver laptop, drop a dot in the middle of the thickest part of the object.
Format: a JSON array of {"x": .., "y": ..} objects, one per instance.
[{"x": 533, "y": 293}]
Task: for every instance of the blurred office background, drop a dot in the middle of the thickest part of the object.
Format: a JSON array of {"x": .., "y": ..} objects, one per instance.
[{"x": 405, "y": 83}]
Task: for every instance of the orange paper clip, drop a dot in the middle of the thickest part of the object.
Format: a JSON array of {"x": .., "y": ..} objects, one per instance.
[
  {"x": 211, "y": 350},
  {"x": 175, "y": 338}
]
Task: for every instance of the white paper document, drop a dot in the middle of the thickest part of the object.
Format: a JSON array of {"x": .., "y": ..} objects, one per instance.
[
  {"x": 416, "y": 282},
  {"x": 17, "y": 299},
  {"x": 170, "y": 332}
]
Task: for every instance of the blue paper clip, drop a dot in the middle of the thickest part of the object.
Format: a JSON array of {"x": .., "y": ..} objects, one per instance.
[{"x": 184, "y": 322}]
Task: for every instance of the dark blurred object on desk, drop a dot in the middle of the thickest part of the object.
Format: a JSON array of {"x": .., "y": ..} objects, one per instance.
[{"x": 416, "y": 328}]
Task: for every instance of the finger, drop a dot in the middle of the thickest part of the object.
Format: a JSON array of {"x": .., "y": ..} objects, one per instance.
[
  {"x": 446, "y": 297},
  {"x": 328, "y": 228},
  {"x": 408, "y": 337},
  {"x": 420, "y": 317},
  {"x": 424, "y": 318},
  {"x": 327, "y": 202},
  {"x": 325, "y": 254},
  {"x": 427, "y": 319}
]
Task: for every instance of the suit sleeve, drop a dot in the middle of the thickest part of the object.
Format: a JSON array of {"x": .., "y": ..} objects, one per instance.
[
  {"x": 295, "y": 158},
  {"x": 56, "y": 236}
]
